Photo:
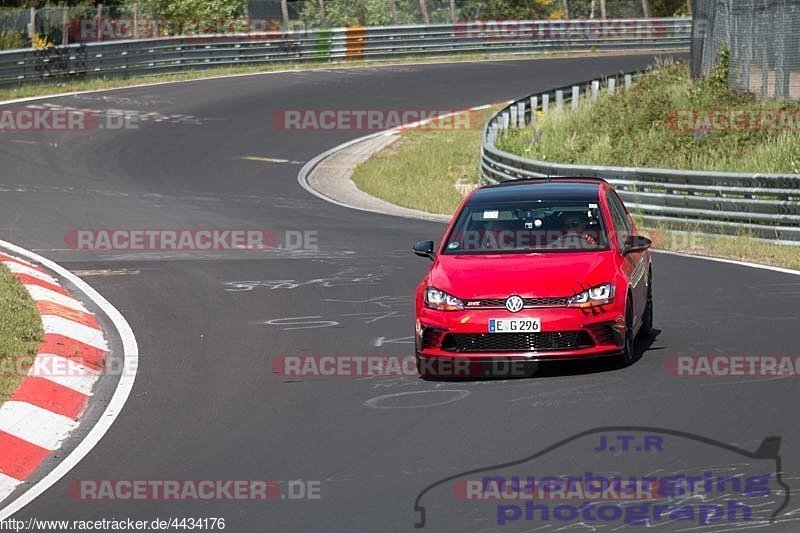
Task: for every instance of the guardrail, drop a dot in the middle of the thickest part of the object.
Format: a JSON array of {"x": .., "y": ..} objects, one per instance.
[
  {"x": 764, "y": 206},
  {"x": 170, "y": 55}
]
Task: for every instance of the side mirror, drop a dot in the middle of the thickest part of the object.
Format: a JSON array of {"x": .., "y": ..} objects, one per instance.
[
  {"x": 636, "y": 244},
  {"x": 424, "y": 249}
]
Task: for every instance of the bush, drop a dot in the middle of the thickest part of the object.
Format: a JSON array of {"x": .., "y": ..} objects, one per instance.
[
  {"x": 10, "y": 40},
  {"x": 191, "y": 9}
]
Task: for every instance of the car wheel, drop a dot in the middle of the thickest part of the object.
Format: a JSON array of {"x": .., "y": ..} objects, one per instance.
[
  {"x": 628, "y": 355},
  {"x": 647, "y": 320}
]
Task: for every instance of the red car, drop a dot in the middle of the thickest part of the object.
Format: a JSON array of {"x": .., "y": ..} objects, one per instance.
[{"x": 535, "y": 270}]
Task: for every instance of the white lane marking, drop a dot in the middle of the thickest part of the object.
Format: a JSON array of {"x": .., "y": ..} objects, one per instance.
[
  {"x": 309, "y": 321},
  {"x": 65, "y": 372},
  {"x": 375, "y": 403},
  {"x": 380, "y": 341},
  {"x": 271, "y": 160},
  {"x": 43, "y": 294},
  {"x": 17, "y": 268},
  {"x": 732, "y": 262},
  {"x": 38, "y": 426},
  {"x": 107, "y": 272},
  {"x": 124, "y": 386},
  {"x": 74, "y": 330},
  {"x": 7, "y": 485}
]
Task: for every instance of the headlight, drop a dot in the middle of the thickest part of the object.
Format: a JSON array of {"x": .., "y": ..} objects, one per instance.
[
  {"x": 441, "y": 301},
  {"x": 600, "y": 295}
]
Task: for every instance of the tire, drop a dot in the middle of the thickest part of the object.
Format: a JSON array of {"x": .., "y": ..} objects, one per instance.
[{"x": 628, "y": 355}]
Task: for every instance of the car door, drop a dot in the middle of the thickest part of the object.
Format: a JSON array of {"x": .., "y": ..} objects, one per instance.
[{"x": 634, "y": 264}]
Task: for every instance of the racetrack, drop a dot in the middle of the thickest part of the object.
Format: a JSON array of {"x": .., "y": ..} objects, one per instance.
[{"x": 206, "y": 404}]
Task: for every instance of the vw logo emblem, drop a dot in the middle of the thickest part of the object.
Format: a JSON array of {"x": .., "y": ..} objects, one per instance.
[{"x": 515, "y": 304}]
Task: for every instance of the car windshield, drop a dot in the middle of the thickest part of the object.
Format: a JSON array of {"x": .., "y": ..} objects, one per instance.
[{"x": 527, "y": 226}]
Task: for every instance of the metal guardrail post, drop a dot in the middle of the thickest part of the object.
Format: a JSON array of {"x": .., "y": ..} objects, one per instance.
[{"x": 158, "y": 55}]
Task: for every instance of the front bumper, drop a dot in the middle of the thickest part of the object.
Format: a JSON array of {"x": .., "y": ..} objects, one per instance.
[{"x": 566, "y": 334}]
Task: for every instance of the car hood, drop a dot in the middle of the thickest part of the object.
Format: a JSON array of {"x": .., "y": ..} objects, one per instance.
[{"x": 554, "y": 274}]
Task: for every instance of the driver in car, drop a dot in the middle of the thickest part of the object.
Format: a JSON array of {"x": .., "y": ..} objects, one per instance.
[{"x": 575, "y": 232}]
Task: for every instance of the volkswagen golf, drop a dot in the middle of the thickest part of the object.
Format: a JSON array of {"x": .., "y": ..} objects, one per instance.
[{"x": 535, "y": 270}]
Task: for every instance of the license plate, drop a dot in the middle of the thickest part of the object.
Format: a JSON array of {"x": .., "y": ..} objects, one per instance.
[{"x": 515, "y": 325}]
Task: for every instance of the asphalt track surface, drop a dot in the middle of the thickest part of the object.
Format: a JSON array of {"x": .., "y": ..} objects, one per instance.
[{"x": 206, "y": 404}]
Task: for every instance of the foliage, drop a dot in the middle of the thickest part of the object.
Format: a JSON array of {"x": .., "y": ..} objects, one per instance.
[
  {"x": 191, "y": 9},
  {"x": 641, "y": 127},
  {"x": 10, "y": 40},
  {"x": 511, "y": 9}
]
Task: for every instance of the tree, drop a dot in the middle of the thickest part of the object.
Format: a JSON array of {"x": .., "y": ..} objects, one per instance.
[
  {"x": 565, "y": 4},
  {"x": 511, "y": 9},
  {"x": 646, "y": 8},
  {"x": 423, "y": 9},
  {"x": 285, "y": 14},
  {"x": 194, "y": 9}
]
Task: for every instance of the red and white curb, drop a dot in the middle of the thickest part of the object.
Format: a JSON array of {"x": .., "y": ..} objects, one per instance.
[
  {"x": 47, "y": 406},
  {"x": 48, "y": 403}
]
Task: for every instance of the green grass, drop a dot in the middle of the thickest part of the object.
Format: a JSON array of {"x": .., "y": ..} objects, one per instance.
[
  {"x": 73, "y": 85},
  {"x": 20, "y": 332},
  {"x": 637, "y": 128},
  {"x": 420, "y": 171},
  {"x": 741, "y": 248}
]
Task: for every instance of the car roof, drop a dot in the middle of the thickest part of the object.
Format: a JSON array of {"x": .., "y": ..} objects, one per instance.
[{"x": 557, "y": 189}]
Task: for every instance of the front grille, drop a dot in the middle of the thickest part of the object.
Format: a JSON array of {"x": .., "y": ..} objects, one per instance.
[
  {"x": 493, "y": 303},
  {"x": 517, "y": 342}
]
